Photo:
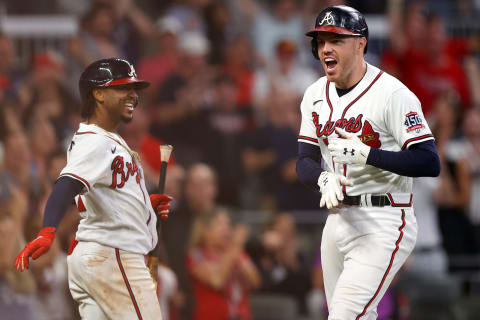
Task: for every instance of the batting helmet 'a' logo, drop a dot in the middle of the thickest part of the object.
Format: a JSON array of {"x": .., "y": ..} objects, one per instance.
[
  {"x": 132, "y": 72},
  {"x": 328, "y": 19}
]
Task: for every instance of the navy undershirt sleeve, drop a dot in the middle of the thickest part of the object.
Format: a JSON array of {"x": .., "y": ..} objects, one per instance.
[
  {"x": 63, "y": 193},
  {"x": 421, "y": 160},
  {"x": 308, "y": 165}
]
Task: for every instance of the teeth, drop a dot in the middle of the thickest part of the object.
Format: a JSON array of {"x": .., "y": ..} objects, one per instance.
[{"x": 329, "y": 60}]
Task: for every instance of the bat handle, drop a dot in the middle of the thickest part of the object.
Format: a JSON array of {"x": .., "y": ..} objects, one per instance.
[{"x": 162, "y": 178}]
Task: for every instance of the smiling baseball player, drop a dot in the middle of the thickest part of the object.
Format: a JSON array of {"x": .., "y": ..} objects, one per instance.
[
  {"x": 372, "y": 137},
  {"x": 107, "y": 272}
]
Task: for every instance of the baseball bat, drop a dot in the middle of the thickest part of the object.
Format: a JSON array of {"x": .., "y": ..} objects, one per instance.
[{"x": 154, "y": 255}]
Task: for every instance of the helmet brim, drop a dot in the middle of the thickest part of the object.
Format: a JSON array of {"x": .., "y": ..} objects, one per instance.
[
  {"x": 139, "y": 84},
  {"x": 332, "y": 29}
]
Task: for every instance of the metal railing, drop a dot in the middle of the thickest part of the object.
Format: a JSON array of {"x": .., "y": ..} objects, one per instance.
[{"x": 32, "y": 34}]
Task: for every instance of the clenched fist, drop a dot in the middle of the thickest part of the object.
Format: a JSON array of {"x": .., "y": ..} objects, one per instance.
[{"x": 161, "y": 204}]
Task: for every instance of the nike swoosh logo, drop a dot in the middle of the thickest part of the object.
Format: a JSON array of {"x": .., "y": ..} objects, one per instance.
[
  {"x": 315, "y": 102},
  {"x": 114, "y": 149}
]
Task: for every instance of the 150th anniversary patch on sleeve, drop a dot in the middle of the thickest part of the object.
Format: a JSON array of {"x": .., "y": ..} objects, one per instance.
[{"x": 413, "y": 122}]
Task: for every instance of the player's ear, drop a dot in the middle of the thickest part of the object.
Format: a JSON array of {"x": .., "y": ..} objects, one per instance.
[
  {"x": 362, "y": 42},
  {"x": 98, "y": 94}
]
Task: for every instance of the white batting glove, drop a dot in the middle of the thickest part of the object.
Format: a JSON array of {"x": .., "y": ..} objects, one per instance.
[
  {"x": 331, "y": 188},
  {"x": 348, "y": 149}
]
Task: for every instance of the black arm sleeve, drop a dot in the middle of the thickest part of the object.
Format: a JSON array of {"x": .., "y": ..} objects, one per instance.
[
  {"x": 63, "y": 193},
  {"x": 308, "y": 165},
  {"x": 421, "y": 160}
]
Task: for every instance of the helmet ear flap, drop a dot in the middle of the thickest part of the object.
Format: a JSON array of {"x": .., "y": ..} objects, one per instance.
[{"x": 314, "y": 44}]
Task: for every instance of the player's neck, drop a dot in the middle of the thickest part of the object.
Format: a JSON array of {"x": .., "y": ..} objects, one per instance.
[
  {"x": 103, "y": 121},
  {"x": 354, "y": 77}
]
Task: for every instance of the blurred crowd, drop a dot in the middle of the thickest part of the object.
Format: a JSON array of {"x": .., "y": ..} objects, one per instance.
[{"x": 227, "y": 78}]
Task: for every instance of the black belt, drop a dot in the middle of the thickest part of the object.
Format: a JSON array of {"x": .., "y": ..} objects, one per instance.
[{"x": 377, "y": 201}]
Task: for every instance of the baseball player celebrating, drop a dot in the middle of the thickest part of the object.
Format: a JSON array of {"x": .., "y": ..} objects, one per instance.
[
  {"x": 372, "y": 137},
  {"x": 107, "y": 272}
]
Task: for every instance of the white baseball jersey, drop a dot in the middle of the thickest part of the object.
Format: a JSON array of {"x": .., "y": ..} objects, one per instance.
[
  {"x": 380, "y": 110},
  {"x": 115, "y": 206}
]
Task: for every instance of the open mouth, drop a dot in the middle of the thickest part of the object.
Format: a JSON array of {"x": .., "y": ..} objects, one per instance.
[
  {"x": 330, "y": 63},
  {"x": 131, "y": 105}
]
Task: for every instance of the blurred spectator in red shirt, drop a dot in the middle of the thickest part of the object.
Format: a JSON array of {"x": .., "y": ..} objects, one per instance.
[
  {"x": 222, "y": 274},
  {"x": 424, "y": 57},
  {"x": 407, "y": 36},
  {"x": 443, "y": 70}
]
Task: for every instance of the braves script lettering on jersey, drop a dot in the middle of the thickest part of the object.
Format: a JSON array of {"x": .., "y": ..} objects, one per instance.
[
  {"x": 364, "y": 246},
  {"x": 115, "y": 206}
]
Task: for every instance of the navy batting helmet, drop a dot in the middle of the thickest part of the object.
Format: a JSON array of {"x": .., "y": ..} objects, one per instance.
[
  {"x": 341, "y": 20},
  {"x": 106, "y": 73}
]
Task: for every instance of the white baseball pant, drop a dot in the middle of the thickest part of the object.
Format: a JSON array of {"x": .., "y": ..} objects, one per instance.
[
  {"x": 109, "y": 283},
  {"x": 362, "y": 249}
]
